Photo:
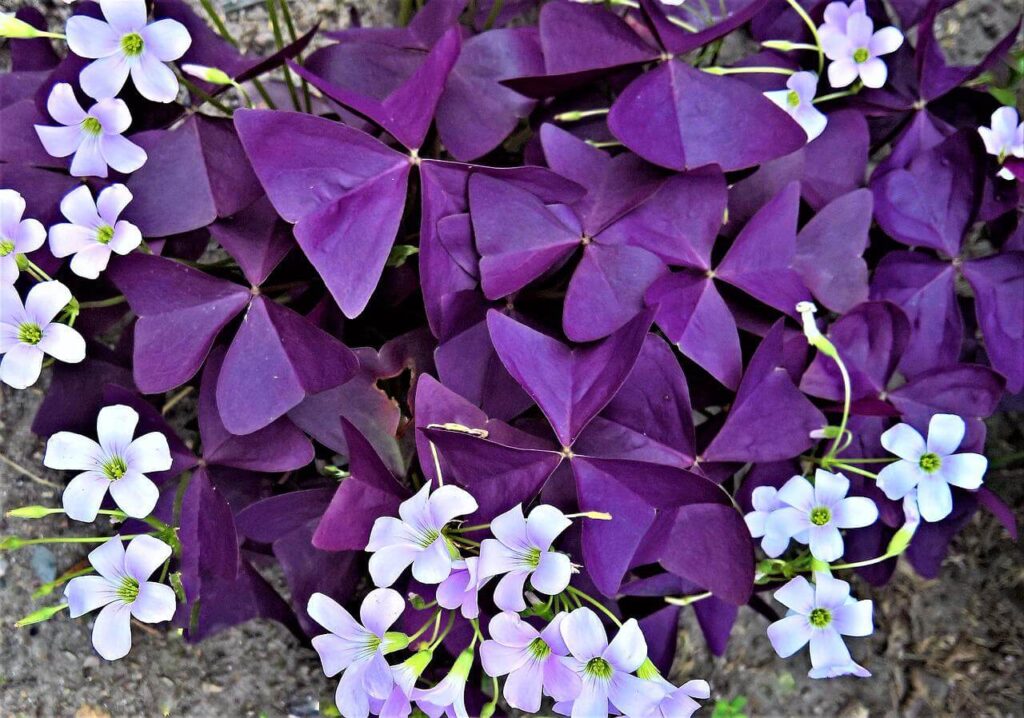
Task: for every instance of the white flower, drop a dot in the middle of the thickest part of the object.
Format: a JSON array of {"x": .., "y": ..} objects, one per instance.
[
  {"x": 798, "y": 102},
  {"x": 1004, "y": 138},
  {"x": 93, "y": 231},
  {"x": 27, "y": 332},
  {"x": 124, "y": 45},
  {"x": 17, "y": 235},
  {"x": 856, "y": 51},
  {"x": 116, "y": 463}
]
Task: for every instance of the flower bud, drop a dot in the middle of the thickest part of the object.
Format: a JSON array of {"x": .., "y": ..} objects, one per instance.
[
  {"x": 213, "y": 75},
  {"x": 12, "y": 27},
  {"x": 32, "y": 512}
]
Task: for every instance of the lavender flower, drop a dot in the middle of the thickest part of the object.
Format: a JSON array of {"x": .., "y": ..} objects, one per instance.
[
  {"x": 93, "y": 137},
  {"x": 27, "y": 332},
  {"x": 766, "y": 501},
  {"x": 798, "y": 101},
  {"x": 124, "y": 592},
  {"x": 676, "y": 702},
  {"x": 837, "y": 14},
  {"x": 533, "y": 660},
  {"x": 605, "y": 669},
  {"x": 417, "y": 538},
  {"x": 449, "y": 696},
  {"x": 930, "y": 466},
  {"x": 821, "y": 510},
  {"x": 1005, "y": 138},
  {"x": 398, "y": 704},
  {"x": 821, "y": 615},
  {"x": 520, "y": 550},
  {"x": 855, "y": 51},
  {"x": 358, "y": 648},
  {"x": 117, "y": 463},
  {"x": 93, "y": 230},
  {"x": 124, "y": 45},
  {"x": 462, "y": 588},
  {"x": 17, "y": 235}
]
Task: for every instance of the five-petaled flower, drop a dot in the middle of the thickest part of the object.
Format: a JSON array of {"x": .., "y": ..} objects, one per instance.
[
  {"x": 448, "y": 697},
  {"x": 124, "y": 45},
  {"x": 676, "y": 702},
  {"x": 93, "y": 137},
  {"x": 533, "y": 660},
  {"x": 358, "y": 647},
  {"x": 117, "y": 463},
  {"x": 417, "y": 538},
  {"x": 1005, "y": 138},
  {"x": 855, "y": 51},
  {"x": 819, "y": 510},
  {"x": 930, "y": 466},
  {"x": 462, "y": 588},
  {"x": 798, "y": 101},
  {"x": 821, "y": 615},
  {"x": 123, "y": 590},
  {"x": 28, "y": 332},
  {"x": 765, "y": 500},
  {"x": 93, "y": 230},
  {"x": 520, "y": 550},
  {"x": 17, "y": 235}
]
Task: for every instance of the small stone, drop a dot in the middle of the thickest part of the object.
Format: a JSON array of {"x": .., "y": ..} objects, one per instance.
[
  {"x": 44, "y": 563},
  {"x": 212, "y": 688},
  {"x": 88, "y": 711}
]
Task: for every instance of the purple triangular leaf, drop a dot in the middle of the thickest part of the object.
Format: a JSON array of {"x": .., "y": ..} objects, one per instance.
[
  {"x": 998, "y": 284},
  {"x": 710, "y": 25},
  {"x": 711, "y": 546},
  {"x": 256, "y": 238}
]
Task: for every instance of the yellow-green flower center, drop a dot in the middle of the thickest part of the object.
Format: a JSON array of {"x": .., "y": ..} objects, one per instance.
[
  {"x": 30, "y": 333},
  {"x": 820, "y": 617},
  {"x": 114, "y": 468},
  {"x": 861, "y": 54},
  {"x": 128, "y": 591},
  {"x": 6, "y": 247},
  {"x": 532, "y": 558},
  {"x": 930, "y": 463},
  {"x": 820, "y": 515},
  {"x": 92, "y": 126},
  {"x": 598, "y": 668},
  {"x": 793, "y": 99},
  {"x": 539, "y": 650},
  {"x": 132, "y": 44},
  {"x": 104, "y": 234},
  {"x": 428, "y": 537}
]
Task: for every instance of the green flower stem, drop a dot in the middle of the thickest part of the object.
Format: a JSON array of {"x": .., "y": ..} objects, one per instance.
[
  {"x": 38, "y": 512},
  {"x": 279, "y": 43},
  {"x": 444, "y": 634},
  {"x": 47, "y": 588},
  {"x": 576, "y": 593},
  {"x": 799, "y": 10},
  {"x": 437, "y": 464},
  {"x": 846, "y": 406},
  {"x": 101, "y": 303},
  {"x": 13, "y": 542},
  {"x": 576, "y": 115},
  {"x": 422, "y": 629},
  {"x": 223, "y": 31},
  {"x": 753, "y": 69},
  {"x": 492, "y": 16},
  {"x": 289, "y": 23},
  {"x": 687, "y": 600},
  {"x": 203, "y": 96},
  {"x": 33, "y": 269},
  {"x": 787, "y": 46},
  {"x": 867, "y": 461},
  {"x": 852, "y": 469},
  {"x": 603, "y": 145},
  {"x": 470, "y": 529},
  {"x": 867, "y": 562}
]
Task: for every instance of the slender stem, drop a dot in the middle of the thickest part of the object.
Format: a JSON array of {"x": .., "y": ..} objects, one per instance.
[
  {"x": 687, "y": 600},
  {"x": 838, "y": 95},
  {"x": 748, "y": 70},
  {"x": 172, "y": 402},
  {"x": 279, "y": 43},
  {"x": 846, "y": 406},
  {"x": 28, "y": 474},
  {"x": 437, "y": 464},
  {"x": 866, "y": 562},
  {"x": 199, "y": 93},
  {"x": 573, "y": 591},
  {"x": 601, "y": 145},
  {"x": 786, "y": 46},
  {"x": 799, "y": 10},
  {"x": 444, "y": 634},
  {"x": 102, "y": 303},
  {"x": 492, "y": 16},
  {"x": 470, "y": 529},
  {"x": 852, "y": 469},
  {"x": 290, "y": 24},
  {"x": 35, "y": 270},
  {"x": 405, "y": 12},
  {"x": 222, "y": 29},
  {"x": 74, "y": 539},
  {"x": 678, "y": 22},
  {"x": 425, "y": 626},
  {"x": 576, "y": 115},
  {"x": 867, "y": 461}
]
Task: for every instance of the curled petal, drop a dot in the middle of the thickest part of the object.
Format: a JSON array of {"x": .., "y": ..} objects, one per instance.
[{"x": 110, "y": 203}]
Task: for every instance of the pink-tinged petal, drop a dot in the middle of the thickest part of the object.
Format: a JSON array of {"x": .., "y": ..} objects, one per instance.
[
  {"x": 336, "y": 654},
  {"x": 91, "y": 260},
  {"x": 854, "y": 512},
  {"x": 499, "y": 660},
  {"x": 91, "y": 38},
  {"x": 829, "y": 488},
  {"x": 111, "y": 202},
  {"x": 510, "y": 528},
  {"x": 167, "y": 40},
  {"x": 108, "y": 559},
  {"x": 125, "y": 16},
  {"x": 112, "y": 632},
  {"x": 842, "y": 72},
  {"x": 388, "y": 563},
  {"x": 122, "y": 154},
  {"x": 451, "y": 592},
  {"x": 69, "y": 452},
  {"x": 449, "y": 502},
  {"x": 154, "y": 80},
  {"x": 20, "y": 366},
  {"x": 148, "y": 453},
  {"x": 964, "y": 470},
  {"x": 828, "y": 649},
  {"x": 900, "y": 478},
  {"x": 135, "y": 494},
  {"x": 544, "y": 525},
  {"x": 552, "y": 574},
  {"x": 945, "y": 432},
  {"x": 63, "y": 106},
  {"x": 83, "y": 496},
  {"x": 798, "y": 493},
  {"x": 127, "y": 237},
  {"x": 854, "y": 619},
  {"x": 511, "y": 630},
  {"x": 334, "y": 617},
  {"x": 88, "y": 160},
  {"x": 873, "y": 73},
  {"x": 115, "y": 427},
  {"x": 113, "y": 114},
  {"x": 798, "y": 595},
  {"x": 934, "y": 498},
  {"x": 29, "y": 236},
  {"x": 80, "y": 209},
  {"x": 584, "y": 634},
  {"x": 508, "y": 594},
  {"x": 102, "y": 79},
  {"x": 59, "y": 141},
  {"x": 45, "y": 300},
  {"x": 144, "y": 555},
  {"x": 433, "y": 564},
  {"x": 523, "y": 687},
  {"x": 904, "y": 441},
  {"x": 87, "y": 593},
  {"x": 154, "y": 604},
  {"x": 789, "y": 635},
  {"x": 628, "y": 649},
  {"x": 886, "y": 40},
  {"x": 380, "y": 609},
  {"x": 826, "y": 542}
]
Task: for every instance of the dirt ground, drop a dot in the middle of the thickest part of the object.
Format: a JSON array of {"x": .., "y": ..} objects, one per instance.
[{"x": 951, "y": 647}]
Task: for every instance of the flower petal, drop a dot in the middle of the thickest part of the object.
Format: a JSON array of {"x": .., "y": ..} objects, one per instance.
[
  {"x": 854, "y": 619},
  {"x": 552, "y": 574},
  {"x": 29, "y": 236},
  {"x": 87, "y": 593},
  {"x": 964, "y": 470},
  {"x": 787, "y": 522},
  {"x": 900, "y": 478},
  {"x": 108, "y": 559},
  {"x": 84, "y": 494},
  {"x": 91, "y": 260},
  {"x": 135, "y": 494},
  {"x": 523, "y": 686},
  {"x": 79, "y": 208},
  {"x": 112, "y": 632},
  {"x": 144, "y": 556},
  {"x": 584, "y": 635},
  {"x": 45, "y": 300},
  {"x": 66, "y": 451},
  {"x": 88, "y": 160},
  {"x": 510, "y": 528},
  {"x": 166, "y": 39},
  {"x": 842, "y": 72},
  {"x": 826, "y": 542},
  {"x": 828, "y": 648},
  {"x": 91, "y": 38},
  {"x": 544, "y": 525},
  {"x": 334, "y": 617},
  {"x": 433, "y": 564},
  {"x": 127, "y": 237},
  {"x": 111, "y": 202},
  {"x": 122, "y": 154},
  {"x": 510, "y": 630},
  {"x": 886, "y": 40},
  {"x": 560, "y": 682},
  {"x": 336, "y": 654},
  {"x": 20, "y": 366},
  {"x": 113, "y": 114},
  {"x": 829, "y": 488},
  {"x": 498, "y": 659},
  {"x": 149, "y": 452},
  {"x": 59, "y": 141},
  {"x": 448, "y": 502},
  {"x": 934, "y": 498},
  {"x": 496, "y": 558},
  {"x": 63, "y": 106},
  {"x": 798, "y": 493},
  {"x": 854, "y": 512},
  {"x": 904, "y": 441},
  {"x": 155, "y": 603},
  {"x": 945, "y": 432},
  {"x": 508, "y": 594},
  {"x": 153, "y": 79},
  {"x": 628, "y": 649},
  {"x": 388, "y": 563},
  {"x": 102, "y": 79},
  {"x": 798, "y": 595},
  {"x": 873, "y": 73},
  {"x": 380, "y": 609},
  {"x": 115, "y": 427},
  {"x": 789, "y": 635},
  {"x": 125, "y": 16},
  {"x": 63, "y": 343}
]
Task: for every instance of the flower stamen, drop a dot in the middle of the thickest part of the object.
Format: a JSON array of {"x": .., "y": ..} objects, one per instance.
[{"x": 30, "y": 333}]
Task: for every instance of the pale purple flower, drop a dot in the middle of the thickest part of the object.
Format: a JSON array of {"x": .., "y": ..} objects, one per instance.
[
  {"x": 520, "y": 550},
  {"x": 358, "y": 647},
  {"x": 417, "y": 538},
  {"x": 533, "y": 660},
  {"x": 677, "y": 702},
  {"x": 838, "y": 13},
  {"x": 462, "y": 588},
  {"x": 820, "y": 510},
  {"x": 448, "y": 697},
  {"x": 605, "y": 669},
  {"x": 124, "y": 45},
  {"x": 93, "y": 230},
  {"x": 398, "y": 704},
  {"x": 798, "y": 102},
  {"x": 117, "y": 463},
  {"x": 1005, "y": 138},
  {"x": 930, "y": 466},
  {"x": 766, "y": 500},
  {"x": 821, "y": 615},
  {"x": 856, "y": 51},
  {"x": 28, "y": 332},
  {"x": 93, "y": 137},
  {"x": 124, "y": 592},
  {"x": 17, "y": 235}
]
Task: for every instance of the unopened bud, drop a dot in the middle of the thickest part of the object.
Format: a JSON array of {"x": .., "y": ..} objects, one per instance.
[
  {"x": 213, "y": 75},
  {"x": 814, "y": 337},
  {"x": 32, "y": 512},
  {"x": 12, "y": 27},
  {"x": 40, "y": 615}
]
